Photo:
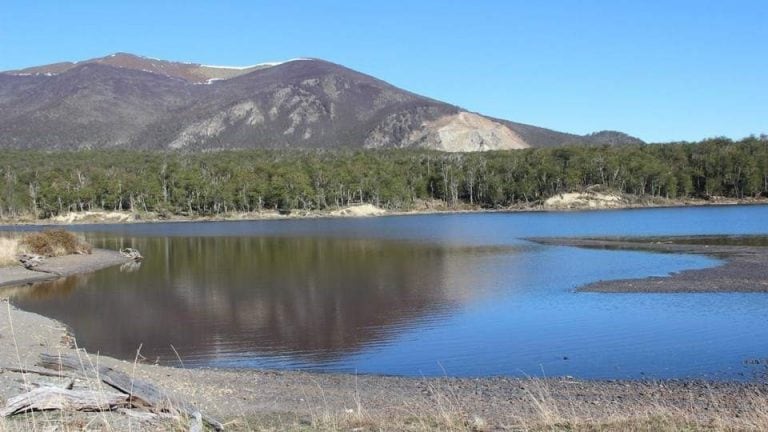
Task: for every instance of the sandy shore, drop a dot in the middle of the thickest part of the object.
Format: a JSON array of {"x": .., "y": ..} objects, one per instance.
[
  {"x": 745, "y": 267},
  {"x": 276, "y": 400}
]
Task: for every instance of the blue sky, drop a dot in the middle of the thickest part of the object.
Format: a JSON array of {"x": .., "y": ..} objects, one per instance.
[{"x": 659, "y": 70}]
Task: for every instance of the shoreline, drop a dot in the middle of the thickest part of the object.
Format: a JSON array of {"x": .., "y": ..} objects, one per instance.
[
  {"x": 291, "y": 400},
  {"x": 61, "y": 266},
  {"x": 98, "y": 217},
  {"x": 254, "y": 399},
  {"x": 744, "y": 268}
]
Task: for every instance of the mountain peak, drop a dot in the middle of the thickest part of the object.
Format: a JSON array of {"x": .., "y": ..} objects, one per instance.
[
  {"x": 131, "y": 101},
  {"x": 192, "y": 72}
]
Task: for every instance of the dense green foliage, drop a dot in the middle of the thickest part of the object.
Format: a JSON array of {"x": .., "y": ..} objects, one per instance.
[{"x": 50, "y": 183}]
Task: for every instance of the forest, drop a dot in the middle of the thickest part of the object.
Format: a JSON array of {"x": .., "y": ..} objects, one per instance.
[{"x": 42, "y": 184}]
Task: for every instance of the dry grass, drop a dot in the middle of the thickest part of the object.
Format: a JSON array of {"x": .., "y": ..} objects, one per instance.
[
  {"x": 541, "y": 412},
  {"x": 73, "y": 421},
  {"x": 65, "y": 421},
  {"x": 51, "y": 243},
  {"x": 8, "y": 250},
  {"x": 444, "y": 412},
  {"x": 643, "y": 416}
]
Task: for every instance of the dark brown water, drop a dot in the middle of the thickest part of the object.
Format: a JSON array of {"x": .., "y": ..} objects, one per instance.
[
  {"x": 315, "y": 297},
  {"x": 431, "y": 295}
]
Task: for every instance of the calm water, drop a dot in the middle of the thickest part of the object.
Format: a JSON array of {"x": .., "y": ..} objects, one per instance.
[{"x": 420, "y": 295}]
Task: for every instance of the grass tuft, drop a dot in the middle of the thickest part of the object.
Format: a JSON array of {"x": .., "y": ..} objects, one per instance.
[{"x": 9, "y": 248}]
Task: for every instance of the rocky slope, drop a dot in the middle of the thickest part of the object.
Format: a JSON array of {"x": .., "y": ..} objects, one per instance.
[{"x": 129, "y": 101}]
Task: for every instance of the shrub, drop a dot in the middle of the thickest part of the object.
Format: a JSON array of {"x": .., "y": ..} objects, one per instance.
[{"x": 54, "y": 242}]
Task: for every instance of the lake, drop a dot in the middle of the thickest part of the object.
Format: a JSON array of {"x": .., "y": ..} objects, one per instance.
[{"x": 429, "y": 295}]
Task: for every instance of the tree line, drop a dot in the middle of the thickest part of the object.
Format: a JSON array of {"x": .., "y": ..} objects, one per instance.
[{"x": 45, "y": 184}]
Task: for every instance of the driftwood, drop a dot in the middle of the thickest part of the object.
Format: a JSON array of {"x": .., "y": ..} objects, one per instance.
[
  {"x": 145, "y": 415},
  {"x": 196, "y": 424},
  {"x": 35, "y": 371},
  {"x": 141, "y": 392},
  {"x": 30, "y": 261},
  {"x": 132, "y": 254},
  {"x": 56, "y": 398}
]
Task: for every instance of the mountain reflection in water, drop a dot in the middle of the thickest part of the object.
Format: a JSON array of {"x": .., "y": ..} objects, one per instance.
[
  {"x": 311, "y": 298},
  {"x": 430, "y": 295}
]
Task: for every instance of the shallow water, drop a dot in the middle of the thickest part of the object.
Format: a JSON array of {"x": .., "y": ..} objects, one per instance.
[{"x": 418, "y": 295}]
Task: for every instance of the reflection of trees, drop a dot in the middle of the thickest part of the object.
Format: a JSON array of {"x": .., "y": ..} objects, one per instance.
[
  {"x": 56, "y": 289},
  {"x": 310, "y": 296}
]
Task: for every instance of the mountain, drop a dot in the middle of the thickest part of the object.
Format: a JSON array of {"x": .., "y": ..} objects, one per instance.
[
  {"x": 192, "y": 72},
  {"x": 129, "y": 101}
]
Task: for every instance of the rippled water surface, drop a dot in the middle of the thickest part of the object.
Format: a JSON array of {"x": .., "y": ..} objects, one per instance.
[{"x": 418, "y": 295}]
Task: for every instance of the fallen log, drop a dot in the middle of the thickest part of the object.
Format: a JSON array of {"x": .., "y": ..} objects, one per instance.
[
  {"x": 141, "y": 392},
  {"x": 42, "y": 372},
  {"x": 57, "y": 398}
]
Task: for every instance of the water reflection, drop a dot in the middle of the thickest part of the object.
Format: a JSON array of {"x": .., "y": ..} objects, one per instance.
[
  {"x": 315, "y": 298},
  {"x": 130, "y": 267},
  {"x": 52, "y": 290}
]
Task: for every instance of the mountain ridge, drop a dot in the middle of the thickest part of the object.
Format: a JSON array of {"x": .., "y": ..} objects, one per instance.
[{"x": 129, "y": 101}]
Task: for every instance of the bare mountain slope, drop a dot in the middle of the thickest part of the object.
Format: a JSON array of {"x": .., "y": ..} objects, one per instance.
[
  {"x": 136, "y": 102},
  {"x": 192, "y": 72},
  {"x": 88, "y": 106}
]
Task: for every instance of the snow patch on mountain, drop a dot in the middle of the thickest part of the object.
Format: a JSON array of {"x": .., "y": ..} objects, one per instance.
[{"x": 265, "y": 64}]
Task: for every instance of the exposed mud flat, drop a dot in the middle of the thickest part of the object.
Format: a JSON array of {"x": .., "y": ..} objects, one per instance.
[{"x": 745, "y": 266}]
